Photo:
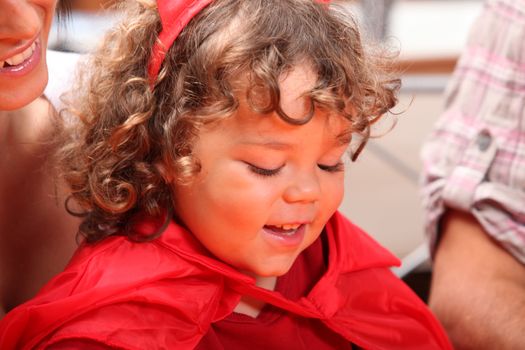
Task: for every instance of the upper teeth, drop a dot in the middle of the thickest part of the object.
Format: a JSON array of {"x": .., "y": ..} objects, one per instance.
[
  {"x": 288, "y": 227},
  {"x": 19, "y": 58}
]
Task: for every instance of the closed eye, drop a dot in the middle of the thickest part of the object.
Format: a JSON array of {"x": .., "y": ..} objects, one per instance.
[
  {"x": 263, "y": 171},
  {"x": 332, "y": 168}
]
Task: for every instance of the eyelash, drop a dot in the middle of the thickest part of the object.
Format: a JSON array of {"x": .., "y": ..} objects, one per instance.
[
  {"x": 272, "y": 172},
  {"x": 332, "y": 168},
  {"x": 264, "y": 172}
]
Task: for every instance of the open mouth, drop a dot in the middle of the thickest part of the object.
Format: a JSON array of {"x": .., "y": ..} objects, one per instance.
[
  {"x": 285, "y": 230},
  {"x": 289, "y": 236},
  {"x": 21, "y": 60}
]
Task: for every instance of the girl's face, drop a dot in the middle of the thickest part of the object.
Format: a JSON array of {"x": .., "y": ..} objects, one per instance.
[
  {"x": 24, "y": 30},
  {"x": 266, "y": 188}
]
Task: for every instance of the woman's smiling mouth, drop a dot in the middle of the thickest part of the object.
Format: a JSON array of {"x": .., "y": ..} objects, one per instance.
[{"x": 22, "y": 62}]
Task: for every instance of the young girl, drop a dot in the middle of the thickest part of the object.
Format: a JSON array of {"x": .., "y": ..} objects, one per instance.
[{"x": 209, "y": 170}]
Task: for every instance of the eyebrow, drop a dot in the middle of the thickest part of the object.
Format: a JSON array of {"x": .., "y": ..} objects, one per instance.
[
  {"x": 344, "y": 138},
  {"x": 279, "y": 146}
]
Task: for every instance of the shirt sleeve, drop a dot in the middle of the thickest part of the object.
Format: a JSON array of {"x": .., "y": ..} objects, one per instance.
[{"x": 474, "y": 159}]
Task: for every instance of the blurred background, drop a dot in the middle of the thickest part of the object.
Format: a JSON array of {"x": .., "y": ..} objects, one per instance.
[{"x": 382, "y": 194}]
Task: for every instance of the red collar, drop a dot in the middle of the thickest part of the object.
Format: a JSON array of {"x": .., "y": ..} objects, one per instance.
[{"x": 350, "y": 250}]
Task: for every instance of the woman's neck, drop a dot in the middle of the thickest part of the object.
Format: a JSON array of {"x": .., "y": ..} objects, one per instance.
[
  {"x": 26, "y": 127},
  {"x": 8, "y": 125},
  {"x": 5, "y": 122}
]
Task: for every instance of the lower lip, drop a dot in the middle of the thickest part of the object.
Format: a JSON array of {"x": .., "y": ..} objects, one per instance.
[
  {"x": 285, "y": 241},
  {"x": 25, "y": 67}
]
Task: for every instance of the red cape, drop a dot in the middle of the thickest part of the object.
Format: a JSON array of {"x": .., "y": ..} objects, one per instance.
[{"x": 165, "y": 293}]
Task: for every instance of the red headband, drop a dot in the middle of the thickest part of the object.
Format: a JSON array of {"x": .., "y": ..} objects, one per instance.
[{"x": 174, "y": 16}]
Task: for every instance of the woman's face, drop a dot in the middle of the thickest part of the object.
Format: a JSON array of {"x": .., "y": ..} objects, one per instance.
[{"x": 24, "y": 30}]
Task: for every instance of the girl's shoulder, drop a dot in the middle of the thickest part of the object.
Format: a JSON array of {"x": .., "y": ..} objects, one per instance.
[{"x": 352, "y": 249}]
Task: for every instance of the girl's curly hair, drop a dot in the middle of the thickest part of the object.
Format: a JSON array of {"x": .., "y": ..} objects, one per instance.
[{"x": 232, "y": 48}]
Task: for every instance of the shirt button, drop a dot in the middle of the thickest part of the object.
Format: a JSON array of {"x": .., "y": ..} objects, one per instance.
[{"x": 483, "y": 140}]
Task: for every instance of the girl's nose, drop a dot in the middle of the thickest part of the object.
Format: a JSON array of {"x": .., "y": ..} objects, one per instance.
[
  {"x": 19, "y": 20},
  {"x": 304, "y": 188}
]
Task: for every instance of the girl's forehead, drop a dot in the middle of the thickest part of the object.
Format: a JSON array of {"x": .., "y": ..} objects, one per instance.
[
  {"x": 248, "y": 126},
  {"x": 295, "y": 101},
  {"x": 294, "y": 88},
  {"x": 294, "y": 85}
]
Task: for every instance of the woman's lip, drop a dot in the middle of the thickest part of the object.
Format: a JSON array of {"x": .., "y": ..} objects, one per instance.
[
  {"x": 25, "y": 67},
  {"x": 20, "y": 49},
  {"x": 286, "y": 241}
]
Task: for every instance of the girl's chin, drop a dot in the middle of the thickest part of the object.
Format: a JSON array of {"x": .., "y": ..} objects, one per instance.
[{"x": 270, "y": 272}]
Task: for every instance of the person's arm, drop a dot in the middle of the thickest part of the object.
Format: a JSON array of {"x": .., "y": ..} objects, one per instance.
[{"x": 478, "y": 288}]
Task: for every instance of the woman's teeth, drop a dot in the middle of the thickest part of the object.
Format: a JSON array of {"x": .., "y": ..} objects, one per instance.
[{"x": 19, "y": 58}]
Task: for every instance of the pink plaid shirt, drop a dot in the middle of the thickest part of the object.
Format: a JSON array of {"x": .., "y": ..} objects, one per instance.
[{"x": 474, "y": 159}]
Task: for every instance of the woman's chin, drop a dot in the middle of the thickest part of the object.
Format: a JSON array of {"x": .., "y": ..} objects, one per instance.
[{"x": 18, "y": 93}]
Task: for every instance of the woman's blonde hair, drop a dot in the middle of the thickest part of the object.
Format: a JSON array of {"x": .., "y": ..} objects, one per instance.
[{"x": 233, "y": 48}]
